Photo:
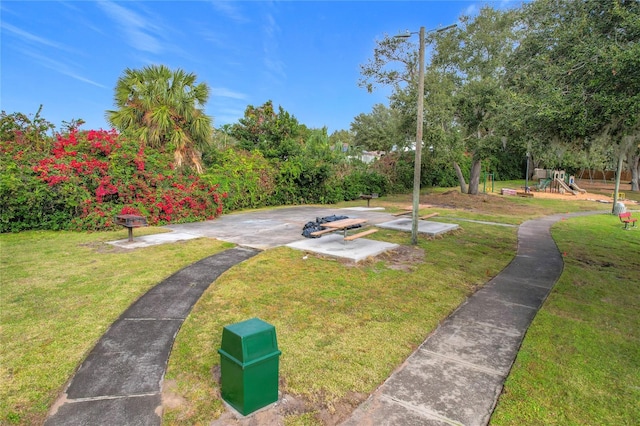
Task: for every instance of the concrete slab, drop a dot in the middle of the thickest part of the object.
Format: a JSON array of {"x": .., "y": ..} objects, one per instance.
[
  {"x": 445, "y": 389},
  {"x": 480, "y": 308},
  {"x": 424, "y": 226},
  {"x": 517, "y": 292},
  {"x": 334, "y": 245},
  {"x": 264, "y": 229},
  {"x": 139, "y": 411},
  {"x": 382, "y": 410},
  {"x": 489, "y": 348},
  {"x": 129, "y": 359},
  {"x": 153, "y": 240},
  {"x": 364, "y": 209}
]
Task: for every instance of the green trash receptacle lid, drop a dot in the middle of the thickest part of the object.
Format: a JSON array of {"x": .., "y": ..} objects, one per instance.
[{"x": 249, "y": 340}]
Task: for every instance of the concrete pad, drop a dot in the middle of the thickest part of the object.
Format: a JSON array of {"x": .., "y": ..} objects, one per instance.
[
  {"x": 518, "y": 292},
  {"x": 129, "y": 359},
  {"x": 545, "y": 271},
  {"x": 363, "y": 209},
  {"x": 334, "y": 245},
  {"x": 445, "y": 388},
  {"x": 424, "y": 226},
  {"x": 477, "y": 344},
  {"x": 510, "y": 317},
  {"x": 381, "y": 410},
  {"x": 153, "y": 240},
  {"x": 140, "y": 411}
]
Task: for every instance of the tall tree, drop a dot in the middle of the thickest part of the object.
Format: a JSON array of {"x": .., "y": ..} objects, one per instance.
[
  {"x": 379, "y": 130},
  {"x": 474, "y": 54},
  {"x": 577, "y": 71},
  {"x": 164, "y": 108},
  {"x": 275, "y": 134}
]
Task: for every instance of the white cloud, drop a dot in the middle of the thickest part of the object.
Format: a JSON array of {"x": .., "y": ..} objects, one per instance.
[
  {"x": 272, "y": 62},
  {"x": 32, "y": 38},
  {"x": 230, "y": 10},
  {"x": 135, "y": 26},
  {"x": 471, "y": 10},
  {"x": 61, "y": 67},
  {"x": 227, "y": 93}
]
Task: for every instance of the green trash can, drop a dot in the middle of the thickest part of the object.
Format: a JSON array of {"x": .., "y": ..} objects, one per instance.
[{"x": 249, "y": 359}]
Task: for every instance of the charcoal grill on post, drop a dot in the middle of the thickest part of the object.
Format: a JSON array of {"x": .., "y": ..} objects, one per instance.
[{"x": 131, "y": 221}]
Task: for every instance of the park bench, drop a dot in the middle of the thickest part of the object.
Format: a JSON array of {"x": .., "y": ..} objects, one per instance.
[
  {"x": 428, "y": 216},
  {"x": 322, "y": 232},
  {"x": 627, "y": 219},
  {"x": 360, "y": 234}
]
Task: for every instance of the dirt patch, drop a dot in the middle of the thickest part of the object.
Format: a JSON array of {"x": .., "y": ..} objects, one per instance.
[
  {"x": 100, "y": 247},
  {"x": 290, "y": 405},
  {"x": 170, "y": 397},
  {"x": 329, "y": 414},
  {"x": 403, "y": 258}
]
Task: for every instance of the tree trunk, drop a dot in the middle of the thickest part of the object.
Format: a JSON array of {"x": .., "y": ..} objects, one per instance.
[
  {"x": 474, "y": 178},
  {"x": 463, "y": 183},
  {"x": 634, "y": 165}
]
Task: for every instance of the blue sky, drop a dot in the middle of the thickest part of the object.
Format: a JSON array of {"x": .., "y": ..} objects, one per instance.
[{"x": 303, "y": 55}]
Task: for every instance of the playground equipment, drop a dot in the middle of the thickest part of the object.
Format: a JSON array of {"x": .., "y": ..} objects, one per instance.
[
  {"x": 556, "y": 181},
  {"x": 573, "y": 185},
  {"x": 487, "y": 177}
]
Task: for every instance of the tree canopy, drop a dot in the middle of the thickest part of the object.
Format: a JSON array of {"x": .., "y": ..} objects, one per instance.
[{"x": 164, "y": 108}]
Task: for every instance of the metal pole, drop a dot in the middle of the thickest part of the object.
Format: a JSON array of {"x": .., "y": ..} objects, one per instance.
[
  {"x": 418, "y": 161},
  {"x": 526, "y": 177}
]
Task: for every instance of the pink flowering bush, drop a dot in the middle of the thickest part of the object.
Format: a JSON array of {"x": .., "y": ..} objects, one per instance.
[{"x": 85, "y": 178}]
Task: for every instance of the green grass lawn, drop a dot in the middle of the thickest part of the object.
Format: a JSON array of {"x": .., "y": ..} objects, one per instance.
[
  {"x": 60, "y": 291},
  {"x": 580, "y": 361},
  {"x": 342, "y": 328}
]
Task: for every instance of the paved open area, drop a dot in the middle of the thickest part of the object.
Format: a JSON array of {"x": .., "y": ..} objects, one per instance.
[{"x": 264, "y": 229}]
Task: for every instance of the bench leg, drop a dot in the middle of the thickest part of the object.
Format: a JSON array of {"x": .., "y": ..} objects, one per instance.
[{"x": 130, "y": 234}]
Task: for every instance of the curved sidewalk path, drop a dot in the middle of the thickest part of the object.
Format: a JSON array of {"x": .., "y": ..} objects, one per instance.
[
  {"x": 456, "y": 376},
  {"x": 120, "y": 381}
]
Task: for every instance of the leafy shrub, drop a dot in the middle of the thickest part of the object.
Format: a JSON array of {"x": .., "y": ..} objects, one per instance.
[
  {"x": 86, "y": 178},
  {"x": 398, "y": 168},
  {"x": 247, "y": 177}
]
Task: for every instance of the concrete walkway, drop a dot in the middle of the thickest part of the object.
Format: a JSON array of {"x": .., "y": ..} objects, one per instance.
[
  {"x": 120, "y": 381},
  {"x": 456, "y": 376}
]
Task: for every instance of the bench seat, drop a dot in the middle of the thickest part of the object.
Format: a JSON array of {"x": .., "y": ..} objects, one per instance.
[
  {"x": 322, "y": 232},
  {"x": 360, "y": 234},
  {"x": 427, "y": 216},
  {"x": 627, "y": 219}
]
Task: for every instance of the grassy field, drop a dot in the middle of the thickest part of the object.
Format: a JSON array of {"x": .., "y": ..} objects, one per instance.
[
  {"x": 580, "y": 361},
  {"x": 342, "y": 328},
  {"x": 60, "y": 291}
]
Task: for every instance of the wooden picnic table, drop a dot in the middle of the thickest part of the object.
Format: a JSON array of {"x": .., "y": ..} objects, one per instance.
[{"x": 343, "y": 224}]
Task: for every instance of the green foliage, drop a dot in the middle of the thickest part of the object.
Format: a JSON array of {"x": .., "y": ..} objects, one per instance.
[
  {"x": 397, "y": 167},
  {"x": 164, "y": 108},
  {"x": 276, "y": 135},
  {"x": 379, "y": 130},
  {"x": 28, "y": 132},
  {"x": 247, "y": 177},
  {"x": 86, "y": 178},
  {"x": 438, "y": 171}
]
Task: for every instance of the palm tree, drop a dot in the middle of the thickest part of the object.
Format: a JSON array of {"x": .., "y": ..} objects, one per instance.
[{"x": 164, "y": 108}]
